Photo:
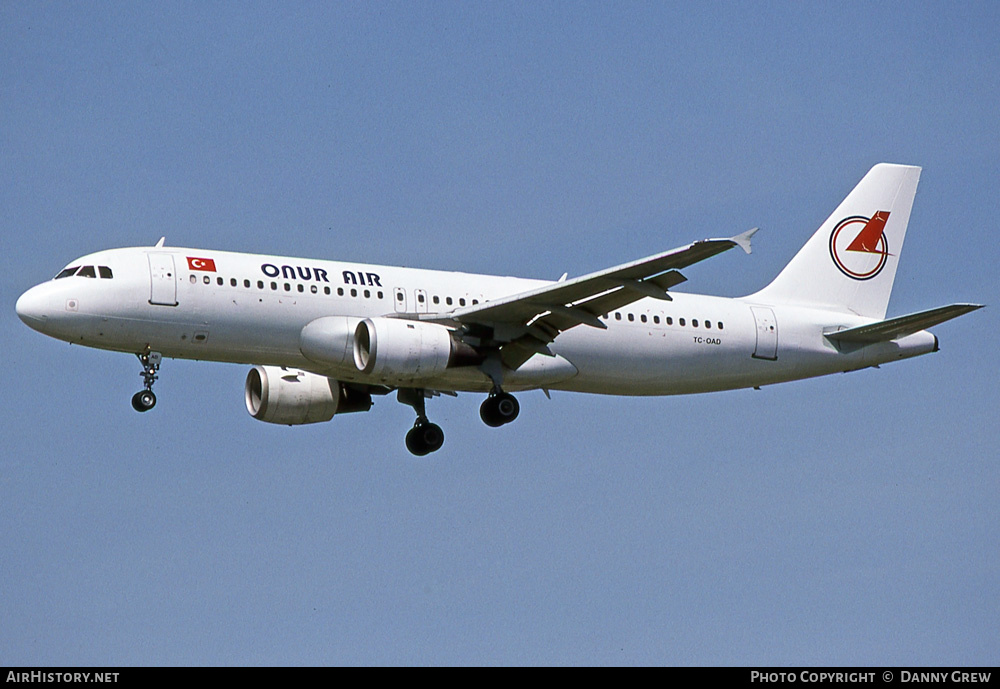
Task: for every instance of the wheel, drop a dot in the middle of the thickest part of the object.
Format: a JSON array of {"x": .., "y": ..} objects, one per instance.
[
  {"x": 424, "y": 438},
  {"x": 507, "y": 407},
  {"x": 144, "y": 400},
  {"x": 432, "y": 437},
  {"x": 489, "y": 414},
  {"x": 499, "y": 409}
]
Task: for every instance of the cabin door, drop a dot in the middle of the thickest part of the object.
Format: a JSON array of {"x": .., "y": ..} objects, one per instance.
[{"x": 767, "y": 333}]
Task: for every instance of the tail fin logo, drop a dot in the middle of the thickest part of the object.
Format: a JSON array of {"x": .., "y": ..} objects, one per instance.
[{"x": 858, "y": 245}]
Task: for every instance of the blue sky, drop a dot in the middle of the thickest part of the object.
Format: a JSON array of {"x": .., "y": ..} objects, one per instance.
[{"x": 845, "y": 520}]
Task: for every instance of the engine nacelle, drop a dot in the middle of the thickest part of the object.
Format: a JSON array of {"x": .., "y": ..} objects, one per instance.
[
  {"x": 396, "y": 350},
  {"x": 290, "y": 396},
  {"x": 330, "y": 341}
]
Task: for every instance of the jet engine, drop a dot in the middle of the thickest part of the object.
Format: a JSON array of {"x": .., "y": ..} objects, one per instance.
[
  {"x": 395, "y": 350},
  {"x": 289, "y": 396},
  {"x": 329, "y": 341}
]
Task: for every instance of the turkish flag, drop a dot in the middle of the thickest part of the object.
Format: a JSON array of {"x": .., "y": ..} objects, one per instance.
[{"x": 201, "y": 264}]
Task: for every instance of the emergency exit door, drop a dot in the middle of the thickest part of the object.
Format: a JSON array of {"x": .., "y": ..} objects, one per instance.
[{"x": 767, "y": 333}]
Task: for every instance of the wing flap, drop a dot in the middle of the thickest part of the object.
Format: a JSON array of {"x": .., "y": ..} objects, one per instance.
[{"x": 901, "y": 326}]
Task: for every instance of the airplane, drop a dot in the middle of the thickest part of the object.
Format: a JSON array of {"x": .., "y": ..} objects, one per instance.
[{"x": 324, "y": 337}]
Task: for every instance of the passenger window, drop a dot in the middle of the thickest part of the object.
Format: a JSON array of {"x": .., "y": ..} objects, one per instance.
[
  {"x": 694, "y": 322},
  {"x": 618, "y": 315},
  {"x": 87, "y": 272},
  {"x": 67, "y": 272},
  {"x": 220, "y": 281},
  {"x": 631, "y": 317},
  {"x": 420, "y": 298},
  {"x": 301, "y": 288},
  {"x": 274, "y": 286},
  {"x": 681, "y": 321},
  {"x": 368, "y": 294},
  {"x": 326, "y": 290},
  {"x": 105, "y": 272},
  {"x": 399, "y": 296},
  {"x": 642, "y": 318},
  {"x": 461, "y": 302},
  {"x": 670, "y": 320},
  {"x": 447, "y": 301},
  {"x": 206, "y": 280},
  {"x": 313, "y": 288},
  {"x": 708, "y": 324},
  {"x": 476, "y": 301},
  {"x": 193, "y": 279},
  {"x": 656, "y": 319},
  {"x": 437, "y": 300},
  {"x": 380, "y": 294},
  {"x": 354, "y": 292},
  {"x": 720, "y": 325},
  {"x": 246, "y": 283},
  {"x": 260, "y": 284},
  {"x": 288, "y": 288}
]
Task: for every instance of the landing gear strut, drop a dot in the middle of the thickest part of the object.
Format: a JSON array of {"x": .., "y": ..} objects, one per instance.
[
  {"x": 144, "y": 400},
  {"x": 500, "y": 407},
  {"x": 425, "y": 437}
]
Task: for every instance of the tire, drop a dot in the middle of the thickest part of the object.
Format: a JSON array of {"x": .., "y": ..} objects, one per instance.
[
  {"x": 507, "y": 407},
  {"x": 143, "y": 401},
  {"x": 489, "y": 414},
  {"x": 425, "y": 438},
  {"x": 432, "y": 437},
  {"x": 413, "y": 443},
  {"x": 499, "y": 409}
]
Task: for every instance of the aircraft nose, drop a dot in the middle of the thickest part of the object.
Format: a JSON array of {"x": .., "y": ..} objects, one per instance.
[{"x": 31, "y": 308}]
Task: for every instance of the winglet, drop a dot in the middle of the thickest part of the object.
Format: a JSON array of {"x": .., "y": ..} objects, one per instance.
[{"x": 743, "y": 240}]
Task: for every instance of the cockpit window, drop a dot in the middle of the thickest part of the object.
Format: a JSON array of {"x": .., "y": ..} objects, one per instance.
[
  {"x": 105, "y": 272},
  {"x": 67, "y": 272},
  {"x": 87, "y": 272}
]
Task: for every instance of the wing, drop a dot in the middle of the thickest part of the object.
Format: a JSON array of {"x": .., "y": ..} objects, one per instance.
[{"x": 522, "y": 325}]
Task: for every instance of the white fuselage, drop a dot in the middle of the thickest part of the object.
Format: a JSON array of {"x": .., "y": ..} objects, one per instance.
[{"x": 252, "y": 309}]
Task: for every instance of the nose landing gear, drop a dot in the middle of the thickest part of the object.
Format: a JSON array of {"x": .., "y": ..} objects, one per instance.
[{"x": 144, "y": 400}]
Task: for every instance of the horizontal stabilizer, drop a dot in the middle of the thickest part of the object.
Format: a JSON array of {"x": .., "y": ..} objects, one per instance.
[{"x": 895, "y": 328}]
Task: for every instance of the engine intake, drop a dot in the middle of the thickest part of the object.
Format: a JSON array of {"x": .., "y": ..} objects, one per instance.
[
  {"x": 395, "y": 350},
  {"x": 292, "y": 397}
]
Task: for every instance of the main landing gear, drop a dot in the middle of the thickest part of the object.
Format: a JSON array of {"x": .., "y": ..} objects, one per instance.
[
  {"x": 144, "y": 400},
  {"x": 425, "y": 437},
  {"x": 499, "y": 408}
]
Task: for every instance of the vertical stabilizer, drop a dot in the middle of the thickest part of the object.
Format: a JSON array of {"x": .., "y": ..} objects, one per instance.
[{"x": 850, "y": 263}]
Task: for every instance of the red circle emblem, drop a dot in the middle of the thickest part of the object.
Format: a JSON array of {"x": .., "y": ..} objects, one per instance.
[{"x": 857, "y": 259}]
